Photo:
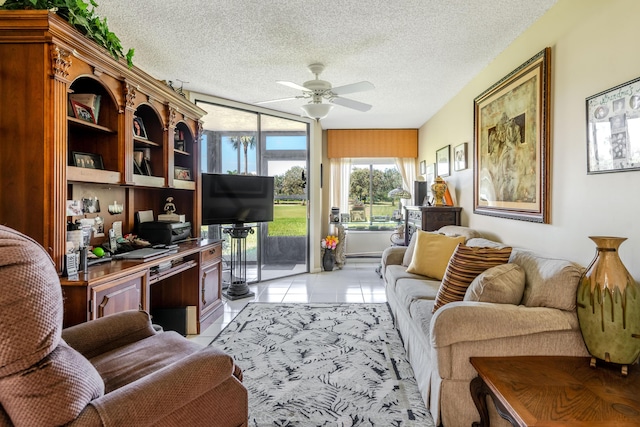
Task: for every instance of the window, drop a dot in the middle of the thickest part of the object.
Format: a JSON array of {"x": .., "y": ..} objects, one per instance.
[{"x": 370, "y": 207}]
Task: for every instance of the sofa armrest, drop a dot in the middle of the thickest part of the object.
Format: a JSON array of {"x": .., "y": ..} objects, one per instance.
[
  {"x": 153, "y": 398},
  {"x": 478, "y": 321},
  {"x": 393, "y": 255},
  {"x": 107, "y": 333}
]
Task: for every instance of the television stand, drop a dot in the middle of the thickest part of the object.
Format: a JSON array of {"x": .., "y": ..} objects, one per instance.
[{"x": 238, "y": 287}]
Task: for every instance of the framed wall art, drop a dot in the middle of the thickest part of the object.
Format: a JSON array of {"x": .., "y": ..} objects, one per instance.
[
  {"x": 423, "y": 167},
  {"x": 613, "y": 117},
  {"x": 430, "y": 175},
  {"x": 460, "y": 157},
  {"x": 442, "y": 161},
  {"x": 511, "y": 144}
]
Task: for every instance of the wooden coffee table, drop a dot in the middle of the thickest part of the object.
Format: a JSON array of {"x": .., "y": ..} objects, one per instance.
[{"x": 556, "y": 391}]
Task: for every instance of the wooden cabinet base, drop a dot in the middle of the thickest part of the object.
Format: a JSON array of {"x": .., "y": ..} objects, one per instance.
[{"x": 177, "y": 281}]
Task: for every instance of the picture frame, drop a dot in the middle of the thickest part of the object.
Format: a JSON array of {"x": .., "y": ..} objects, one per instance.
[
  {"x": 423, "y": 167},
  {"x": 611, "y": 114},
  {"x": 83, "y": 112},
  {"x": 443, "y": 163},
  {"x": 344, "y": 217},
  {"x": 146, "y": 167},
  {"x": 87, "y": 160},
  {"x": 430, "y": 175},
  {"x": 182, "y": 173},
  {"x": 460, "y": 157},
  {"x": 511, "y": 144},
  {"x": 139, "y": 130}
]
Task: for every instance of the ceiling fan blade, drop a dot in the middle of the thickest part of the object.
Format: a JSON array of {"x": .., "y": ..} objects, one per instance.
[
  {"x": 353, "y": 87},
  {"x": 350, "y": 103},
  {"x": 278, "y": 100},
  {"x": 293, "y": 85}
]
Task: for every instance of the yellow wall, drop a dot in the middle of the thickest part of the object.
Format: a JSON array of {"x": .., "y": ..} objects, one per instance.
[{"x": 594, "y": 47}]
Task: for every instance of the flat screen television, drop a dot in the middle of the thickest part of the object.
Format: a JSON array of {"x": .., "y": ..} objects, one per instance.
[{"x": 236, "y": 199}]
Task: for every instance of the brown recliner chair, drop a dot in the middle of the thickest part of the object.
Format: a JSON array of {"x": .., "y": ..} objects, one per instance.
[{"x": 113, "y": 371}]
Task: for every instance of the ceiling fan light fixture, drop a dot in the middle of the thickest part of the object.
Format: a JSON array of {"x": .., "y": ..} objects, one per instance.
[{"x": 316, "y": 111}]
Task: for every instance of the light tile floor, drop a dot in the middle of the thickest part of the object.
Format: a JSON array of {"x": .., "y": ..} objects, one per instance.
[{"x": 357, "y": 282}]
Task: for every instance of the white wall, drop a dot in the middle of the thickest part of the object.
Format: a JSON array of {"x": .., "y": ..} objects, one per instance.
[{"x": 594, "y": 47}]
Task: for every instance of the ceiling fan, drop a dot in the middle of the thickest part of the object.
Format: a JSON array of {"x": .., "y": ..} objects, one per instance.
[{"x": 316, "y": 90}]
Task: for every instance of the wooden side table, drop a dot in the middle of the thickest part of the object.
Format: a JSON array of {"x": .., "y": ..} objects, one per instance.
[{"x": 556, "y": 391}]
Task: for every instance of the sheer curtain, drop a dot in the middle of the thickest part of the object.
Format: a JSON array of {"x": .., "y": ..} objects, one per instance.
[
  {"x": 407, "y": 168},
  {"x": 340, "y": 182}
]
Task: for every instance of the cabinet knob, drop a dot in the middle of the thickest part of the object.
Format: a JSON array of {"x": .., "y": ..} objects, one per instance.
[{"x": 212, "y": 251}]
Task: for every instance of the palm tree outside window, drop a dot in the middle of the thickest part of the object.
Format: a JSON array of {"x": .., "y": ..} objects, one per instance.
[{"x": 246, "y": 141}]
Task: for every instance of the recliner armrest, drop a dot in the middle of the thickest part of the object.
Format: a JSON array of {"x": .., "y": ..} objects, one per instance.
[
  {"x": 152, "y": 398},
  {"x": 107, "y": 333}
]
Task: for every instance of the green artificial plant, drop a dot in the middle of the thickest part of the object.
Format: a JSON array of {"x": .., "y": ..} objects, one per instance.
[{"x": 81, "y": 15}]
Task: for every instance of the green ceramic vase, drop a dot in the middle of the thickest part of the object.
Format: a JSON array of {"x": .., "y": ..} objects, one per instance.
[{"x": 608, "y": 305}]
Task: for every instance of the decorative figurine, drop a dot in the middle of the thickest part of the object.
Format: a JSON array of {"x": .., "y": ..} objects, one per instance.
[{"x": 169, "y": 207}]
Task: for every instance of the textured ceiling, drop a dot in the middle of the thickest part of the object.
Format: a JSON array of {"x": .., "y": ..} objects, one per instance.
[{"x": 417, "y": 53}]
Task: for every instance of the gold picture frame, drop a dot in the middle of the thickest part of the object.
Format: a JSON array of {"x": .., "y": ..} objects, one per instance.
[{"x": 511, "y": 144}]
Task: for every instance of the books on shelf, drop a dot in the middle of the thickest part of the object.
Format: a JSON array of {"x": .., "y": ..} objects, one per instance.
[{"x": 91, "y": 100}]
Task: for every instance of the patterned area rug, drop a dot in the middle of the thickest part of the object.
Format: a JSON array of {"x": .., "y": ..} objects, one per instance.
[{"x": 323, "y": 365}]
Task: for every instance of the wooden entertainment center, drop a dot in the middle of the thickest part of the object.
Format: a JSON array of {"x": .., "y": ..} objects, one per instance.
[{"x": 55, "y": 148}]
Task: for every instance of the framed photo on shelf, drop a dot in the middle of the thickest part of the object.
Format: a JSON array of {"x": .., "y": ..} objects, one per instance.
[
  {"x": 138, "y": 128},
  {"x": 137, "y": 169},
  {"x": 460, "y": 157},
  {"x": 87, "y": 160},
  {"x": 146, "y": 167},
  {"x": 442, "y": 161},
  {"x": 83, "y": 112},
  {"x": 612, "y": 144},
  {"x": 511, "y": 144},
  {"x": 182, "y": 173}
]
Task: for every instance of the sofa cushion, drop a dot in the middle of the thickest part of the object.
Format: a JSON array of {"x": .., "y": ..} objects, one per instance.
[
  {"x": 396, "y": 272},
  {"x": 53, "y": 391},
  {"x": 408, "y": 254},
  {"x": 466, "y": 264},
  {"x": 409, "y": 290},
  {"x": 432, "y": 253},
  {"x": 502, "y": 284},
  {"x": 459, "y": 230},
  {"x": 550, "y": 282}
]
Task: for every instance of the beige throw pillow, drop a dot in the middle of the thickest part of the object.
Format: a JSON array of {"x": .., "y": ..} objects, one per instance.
[
  {"x": 432, "y": 253},
  {"x": 466, "y": 264},
  {"x": 502, "y": 284}
]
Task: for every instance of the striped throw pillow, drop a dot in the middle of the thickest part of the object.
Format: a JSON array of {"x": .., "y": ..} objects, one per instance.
[{"x": 466, "y": 264}]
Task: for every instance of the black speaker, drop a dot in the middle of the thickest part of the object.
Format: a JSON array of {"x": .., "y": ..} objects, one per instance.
[{"x": 420, "y": 191}]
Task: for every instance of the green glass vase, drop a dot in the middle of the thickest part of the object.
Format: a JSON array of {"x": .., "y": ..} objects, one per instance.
[{"x": 608, "y": 306}]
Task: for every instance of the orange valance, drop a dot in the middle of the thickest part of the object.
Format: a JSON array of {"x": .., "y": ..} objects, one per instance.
[{"x": 350, "y": 143}]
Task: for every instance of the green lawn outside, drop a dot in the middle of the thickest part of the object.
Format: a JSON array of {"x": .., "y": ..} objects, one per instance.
[{"x": 289, "y": 220}]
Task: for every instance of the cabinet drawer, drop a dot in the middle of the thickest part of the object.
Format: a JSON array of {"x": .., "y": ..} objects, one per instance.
[{"x": 211, "y": 254}]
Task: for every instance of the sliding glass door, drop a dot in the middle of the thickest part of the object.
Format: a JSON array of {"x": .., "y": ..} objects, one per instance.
[
  {"x": 244, "y": 142},
  {"x": 284, "y": 156}
]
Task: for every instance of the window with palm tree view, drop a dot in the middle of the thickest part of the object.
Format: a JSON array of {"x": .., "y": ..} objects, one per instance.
[{"x": 248, "y": 143}]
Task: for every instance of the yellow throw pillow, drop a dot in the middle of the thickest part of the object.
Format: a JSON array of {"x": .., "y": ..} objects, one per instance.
[{"x": 432, "y": 253}]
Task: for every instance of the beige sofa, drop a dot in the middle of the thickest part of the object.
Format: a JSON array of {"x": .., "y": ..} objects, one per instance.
[{"x": 439, "y": 345}]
